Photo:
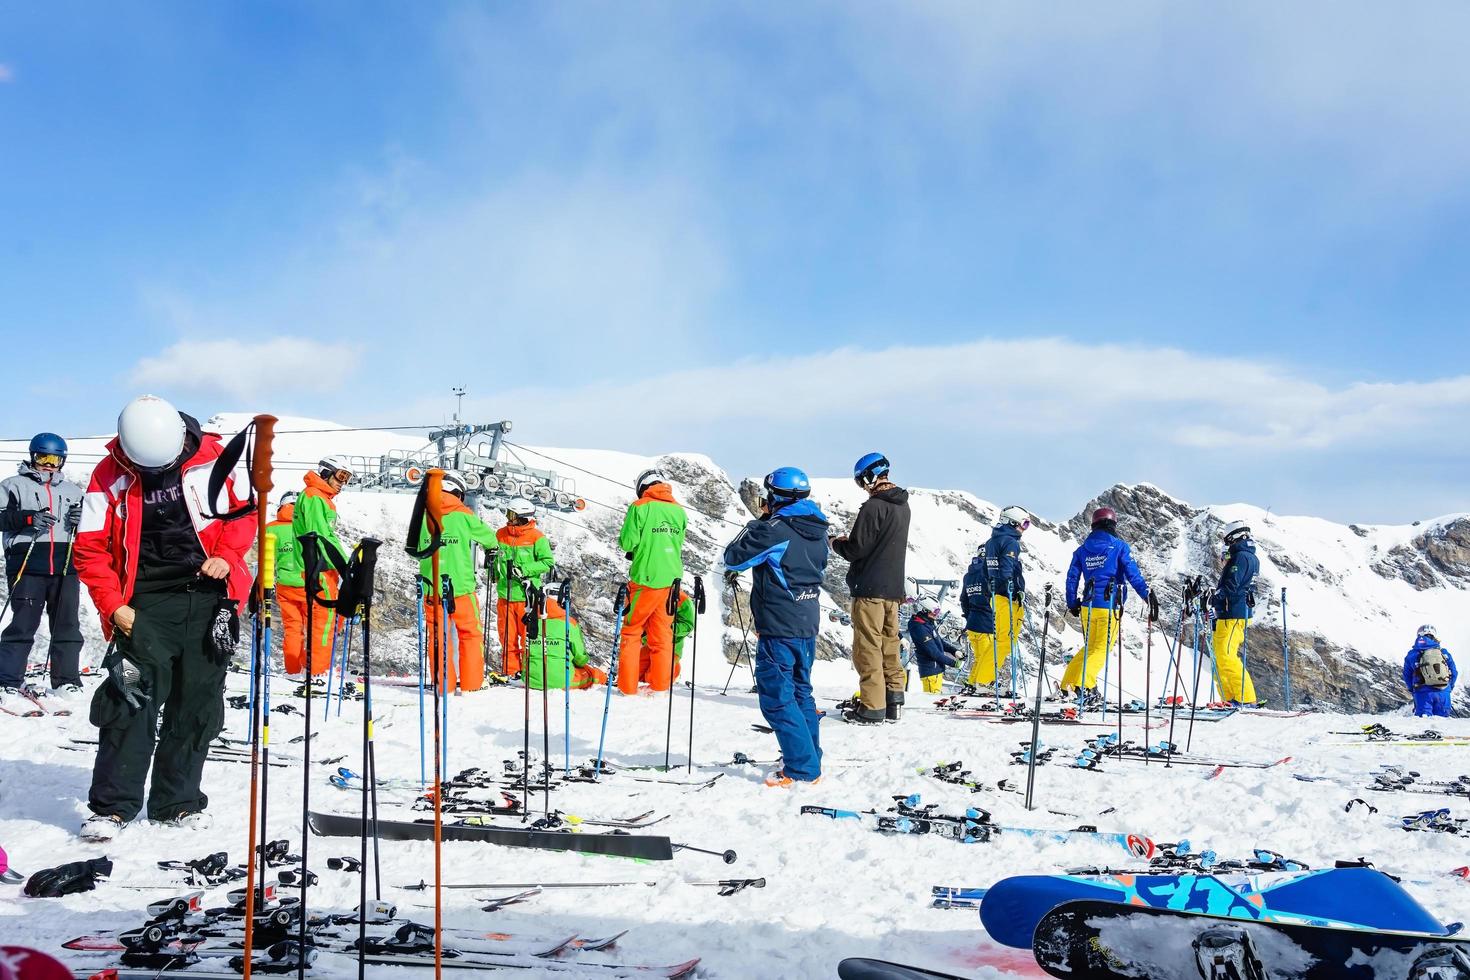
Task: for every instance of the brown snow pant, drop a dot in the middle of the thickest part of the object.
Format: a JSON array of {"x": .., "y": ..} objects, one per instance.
[{"x": 875, "y": 650}]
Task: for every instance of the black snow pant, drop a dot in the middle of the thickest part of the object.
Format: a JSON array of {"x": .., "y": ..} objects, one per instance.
[
  {"x": 58, "y": 596},
  {"x": 183, "y": 678}
]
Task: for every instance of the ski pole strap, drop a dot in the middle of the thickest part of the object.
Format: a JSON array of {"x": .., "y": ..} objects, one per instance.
[
  {"x": 356, "y": 592},
  {"x": 426, "y": 517},
  {"x": 699, "y": 598},
  {"x": 671, "y": 606},
  {"x": 257, "y": 463}
]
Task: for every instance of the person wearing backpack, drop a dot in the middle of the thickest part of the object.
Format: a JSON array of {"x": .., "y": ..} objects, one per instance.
[{"x": 1430, "y": 674}]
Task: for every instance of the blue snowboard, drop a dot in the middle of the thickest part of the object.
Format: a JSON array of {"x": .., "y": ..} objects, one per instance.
[{"x": 1336, "y": 896}]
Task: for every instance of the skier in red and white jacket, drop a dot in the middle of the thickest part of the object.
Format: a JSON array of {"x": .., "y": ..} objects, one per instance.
[{"x": 167, "y": 578}]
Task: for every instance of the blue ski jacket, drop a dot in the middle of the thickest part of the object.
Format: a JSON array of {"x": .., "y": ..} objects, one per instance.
[
  {"x": 1003, "y": 561},
  {"x": 1411, "y": 665},
  {"x": 1103, "y": 562},
  {"x": 1236, "y": 580},
  {"x": 931, "y": 650},
  {"x": 788, "y": 553},
  {"x": 975, "y": 598}
]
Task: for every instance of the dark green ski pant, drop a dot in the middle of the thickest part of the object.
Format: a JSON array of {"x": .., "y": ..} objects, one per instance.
[{"x": 184, "y": 678}]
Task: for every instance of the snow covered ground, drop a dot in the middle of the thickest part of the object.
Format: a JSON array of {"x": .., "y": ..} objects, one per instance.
[{"x": 834, "y": 889}]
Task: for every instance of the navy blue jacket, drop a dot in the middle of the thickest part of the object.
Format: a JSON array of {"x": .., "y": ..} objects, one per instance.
[
  {"x": 975, "y": 598},
  {"x": 788, "y": 552},
  {"x": 1236, "y": 580},
  {"x": 1103, "y": 561},
  {"x": 931, "y": 650},
  {"x": 1411, "y": 665},
  {"x": 1003, "y": 561}
]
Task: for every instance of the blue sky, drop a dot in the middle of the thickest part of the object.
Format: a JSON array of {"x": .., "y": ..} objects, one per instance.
[{"x": 1028, "y": 253}]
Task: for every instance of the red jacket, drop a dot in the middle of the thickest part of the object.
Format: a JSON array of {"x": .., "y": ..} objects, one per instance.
[{"x": 106, "y": 553}]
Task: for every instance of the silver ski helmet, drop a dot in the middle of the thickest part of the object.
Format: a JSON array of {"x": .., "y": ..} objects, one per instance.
[
  {"x": 1428, "y": 630},
  {"x": 335, "y": 467}
]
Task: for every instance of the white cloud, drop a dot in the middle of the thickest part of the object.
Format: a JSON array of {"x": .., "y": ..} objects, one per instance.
[{"x": 248, "y": 370}]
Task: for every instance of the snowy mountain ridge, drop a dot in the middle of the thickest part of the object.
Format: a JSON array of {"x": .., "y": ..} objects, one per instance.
[{"x": 1355, "y": 593}]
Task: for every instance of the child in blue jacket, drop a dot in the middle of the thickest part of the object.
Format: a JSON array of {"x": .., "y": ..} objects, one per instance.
[
  {"x": 1430, "y": 675},
  {"x": 931, "y": 650}
]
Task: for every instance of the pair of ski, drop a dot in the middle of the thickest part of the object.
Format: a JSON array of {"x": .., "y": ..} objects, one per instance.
[
  {"x": 614, "y": 843},
  {"x": 907, "y": 816},
  {"x": 38, "y": 709}
]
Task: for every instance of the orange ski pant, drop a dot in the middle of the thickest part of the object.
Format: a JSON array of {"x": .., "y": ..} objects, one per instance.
[
  {"x": 647, "y": 613},
  {"x": 512, "y": 632},
  {"x": 468, "y": 668},
  {"x": 292, "y": 602}
]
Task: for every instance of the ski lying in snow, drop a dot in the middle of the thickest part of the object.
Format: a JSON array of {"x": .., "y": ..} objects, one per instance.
[
  {"x": 906, "y": 818},
  {"x": 1351, "y": 897},
  {"x": 616, "y": 843},
  {"x": 862, "y": 968},
  {"x": 1102, "y": 941}
]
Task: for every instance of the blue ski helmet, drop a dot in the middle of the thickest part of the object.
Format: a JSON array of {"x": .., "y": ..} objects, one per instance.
[
  {"x": 48, "y": 443},
  {"x": 870, "y": 469},
  {"x": 788, "y": 483}
]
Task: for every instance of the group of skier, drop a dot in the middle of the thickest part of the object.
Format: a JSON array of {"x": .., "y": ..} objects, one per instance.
[{"x": 166, "y": 570}]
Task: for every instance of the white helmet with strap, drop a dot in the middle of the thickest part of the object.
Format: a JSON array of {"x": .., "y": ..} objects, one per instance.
[
  {"x": 455, "y": 483},
  {"x": 1016, "y": 516},
  {"x": 151, "y": 432},
  {"x": 1236, "y": 529},
  {"x": 331, "y": 466},
  {"x": 522, "y": 508},
  {"x": 648, "y": 478}
]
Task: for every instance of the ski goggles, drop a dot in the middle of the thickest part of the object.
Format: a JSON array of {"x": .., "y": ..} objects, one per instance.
[
  {"x": 343, "y": 477},
  {"x": 48, "y": 459}
]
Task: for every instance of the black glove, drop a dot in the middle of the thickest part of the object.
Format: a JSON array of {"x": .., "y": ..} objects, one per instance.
[
  {"x": 1250, "y": 600},
  {"x": 73, "y": 517},
  {"x": 68, "y": 879},
  {"x": 732, "y": 579},
  {"x": 38, "y": 520},
  {"x": 1153, "y": 608},
  {"x": 1074, "y": 610},
  {"x": 224, "y": 634},
  {"x": 123, "y": 674},
  {"x": 628, "y": 555}
]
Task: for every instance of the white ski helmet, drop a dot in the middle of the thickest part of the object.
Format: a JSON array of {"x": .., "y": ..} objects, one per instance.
[
  {"x": 648, "y": 478},
  {"x": 455, "y": 483},
  {"x": 329, "y": 466},
  {"x": 1236, "y": 529},
  {"x": 289, "y": 497},
  {"x": 1428, "y": 630},
  {"x": 521, "y": 507},
  {"x": 151, "y": 432},
  {"x": 1017, "y": 516}
]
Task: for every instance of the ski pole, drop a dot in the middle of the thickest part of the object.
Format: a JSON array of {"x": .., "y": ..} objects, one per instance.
[
  {"x": 1194, "y": 695},
  {"x": 1285, "y": 651},
  {"x": 346, "y": 653},
  {"x": 260, "y": 485},
  {"x": 1087, "y": 590},
  {"x": 545, "y": 703},
  {"x": 672, "y": 608},
  {"x": 528, "y": 621},
  {"x": 619, "y": 603},
  {"x": 1190, "y": 588},
  {"x": 268, "y": 586},
  {"x": 1036, "y": 711},
  {"x": 729, "y": 857},
  {"x": 446, "y": 611},
  {"x": 1011, "y": 625},
  {"x": 10, "y": 593},
  {"x": 1148, "y": 661},
  {"x": 418, "y": 594},
  {"x": 694, "y": 661},
  {"x": 744, "y": 638},
  {"x": 1245, "y": 649},
  {"x": 1119, "y": 615},
  {"x": 312, "y": 558},
  {"x": 331, "y": 672},
  {"x": 566, "y": 609}
]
